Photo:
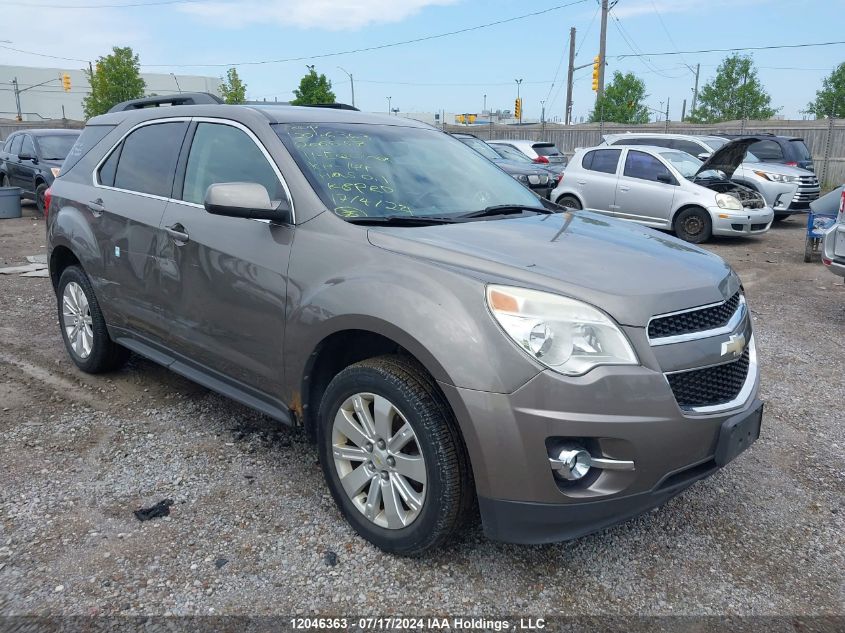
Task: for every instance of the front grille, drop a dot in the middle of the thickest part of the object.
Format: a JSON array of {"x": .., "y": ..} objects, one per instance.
[
  {"x": 758, "y": 227},
  {"x": 694, "y": 320},
  {"x": 711, "y": 385}
]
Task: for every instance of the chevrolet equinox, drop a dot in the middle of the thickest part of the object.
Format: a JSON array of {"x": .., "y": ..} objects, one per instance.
[{"x": 448, "y": 339}]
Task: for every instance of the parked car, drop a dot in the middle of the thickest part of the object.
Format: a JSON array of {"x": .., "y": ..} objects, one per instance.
[
  {"x": 539, "y": 180},
  {"x": 786, "y": 150},
  {"x": 541, "y": 152},
  {"x": 833, "y": 243},
  {"x": 666, "y": 189},
  {"x": 31, "y": 160},
  {"x": 514, "y": 155},
  {"x": 787, "y": 190},
  {"x": 441, "y": 333}
]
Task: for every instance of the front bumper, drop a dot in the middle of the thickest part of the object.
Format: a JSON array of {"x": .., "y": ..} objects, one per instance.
[
  {"x": 745, "y": 222},
  {"x": 622, "y": 413}
]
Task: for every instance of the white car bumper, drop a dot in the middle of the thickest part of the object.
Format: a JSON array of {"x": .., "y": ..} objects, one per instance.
[{"x": 745, "y": 222}]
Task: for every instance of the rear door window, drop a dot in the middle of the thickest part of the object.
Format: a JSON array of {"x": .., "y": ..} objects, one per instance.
[
  {"x": 28, "y": 147},
  {"x": 644, "y": 167},
  {"x": 223, "y": 153},
  {"x": 603, "y": 160},
  {"x": 148, "y": 158},
  {"x": 7, "y": 146},
  {"x": 16, "y": 145},
  {"x": 767, "y": 151},
  {"x": 800, "y": 149}
]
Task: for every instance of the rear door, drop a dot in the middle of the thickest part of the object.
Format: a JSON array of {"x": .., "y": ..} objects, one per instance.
[
  {"x": 224, "y": 280},
  {"x": 645, "y": 190},
  {"x": 132, "y": 185},
  {"x": 597, "y": 182}
]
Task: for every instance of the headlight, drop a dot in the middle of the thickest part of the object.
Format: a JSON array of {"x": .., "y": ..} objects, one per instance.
[
  {"x": 565, "y": 335},
  {"x": 776, "y": 177},
  {"x": 727, "y": 201},
  {"x": 521, "y": 177},
  {"x": 55, "y": 171}
]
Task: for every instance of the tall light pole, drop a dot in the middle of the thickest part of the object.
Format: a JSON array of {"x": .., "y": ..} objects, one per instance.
[
  {"x": 388, "y": 104},
  {"x": 484, "y": 109},
  {"x": 602, "y": 47},
  {"x": 518, "y": 82},
  {"x": 351, "y": 83}
]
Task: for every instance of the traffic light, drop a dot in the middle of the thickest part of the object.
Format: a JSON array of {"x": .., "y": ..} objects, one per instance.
[
  {"x": 517, "y": 109},
  {"x": 596, "y": 62},
  {"x": 66, "y": 82}
]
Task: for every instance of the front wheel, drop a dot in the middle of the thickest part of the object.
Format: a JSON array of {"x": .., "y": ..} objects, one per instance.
[
  {"x": 83, "y": 326},
  {"x": 693, "y": 225},
  {"x": 392, "y": 455}
]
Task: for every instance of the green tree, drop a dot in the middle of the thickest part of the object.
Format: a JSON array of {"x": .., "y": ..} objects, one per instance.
[
  {"x": 734, "y": 93},
  {"x": 116, "y": 78},
  {"x": 830, "y": 100},
  {"x": 622, "y": 101},
  {"x": 233, "y": 89},
  {"x": 314, "y": 88}
]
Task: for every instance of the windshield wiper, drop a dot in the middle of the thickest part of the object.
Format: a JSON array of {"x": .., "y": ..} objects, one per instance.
[
  {"x": 401, "y": 220},
  {"x": 503, "y": 209}
]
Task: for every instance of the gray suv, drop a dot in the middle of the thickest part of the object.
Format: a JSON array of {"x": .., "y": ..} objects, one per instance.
[{"x": 446, "y": 337}]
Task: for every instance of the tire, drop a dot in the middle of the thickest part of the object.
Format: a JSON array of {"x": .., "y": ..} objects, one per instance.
[
  {"x": 570, "y": 202},
  {"x": 426, "y": 506},
  {"x": 39, "y": 197},
  {"x": 91, "y": 348},
  {"x": 781, "y": 218},
  {"x": 693, "y": 225}
]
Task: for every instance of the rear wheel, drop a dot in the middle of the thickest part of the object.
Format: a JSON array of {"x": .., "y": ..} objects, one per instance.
[
  {"x": 39, "y": 197},
  {"x": 392, "y": 455},
  {"x": 570, "y": 202},
  {"x": 83, "y": 326},
  {"x": 693, "y": 225}
]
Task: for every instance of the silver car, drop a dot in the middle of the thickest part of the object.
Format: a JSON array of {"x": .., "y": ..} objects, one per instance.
[
  {"x": 666, "y": 189},
  {"x": 787, "y": 190},
  {"x": 541, "y": 152},
  {"x": 833, "y": 245}
]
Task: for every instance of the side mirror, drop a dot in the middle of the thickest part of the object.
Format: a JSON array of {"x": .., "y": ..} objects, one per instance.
[
  {"x": 245, "y": 200},
  {"x": 666, "y": 179},
  {"x": 27, "y": 156}
]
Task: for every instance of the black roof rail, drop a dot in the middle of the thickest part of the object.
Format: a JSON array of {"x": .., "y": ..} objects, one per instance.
[
  {"x": 335, "y": 106},
  {"x": 183, "y": 98}
]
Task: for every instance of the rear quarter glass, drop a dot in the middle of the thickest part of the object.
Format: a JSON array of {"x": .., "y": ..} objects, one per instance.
[{"x": 90, "y": 137}]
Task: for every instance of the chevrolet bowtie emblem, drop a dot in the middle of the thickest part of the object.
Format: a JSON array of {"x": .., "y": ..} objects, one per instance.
[{"x": 735, "y": 345}]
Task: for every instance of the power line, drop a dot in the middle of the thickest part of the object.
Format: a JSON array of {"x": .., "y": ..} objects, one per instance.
[
  {"x": 128, "y": 5},
  {"x": 67, "y": 59},
  {"x": 376, "y": 47},
  {"x": 731, "y": 50}
]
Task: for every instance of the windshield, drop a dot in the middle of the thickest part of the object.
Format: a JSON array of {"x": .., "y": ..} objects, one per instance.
[
  {"x": 479, "y": 146},
  {"x": 56, "y": 147},
  {"x": 511, "y": 154},
  {"x": 362, "y": 170},
  {"x": 688, "y": 165}
]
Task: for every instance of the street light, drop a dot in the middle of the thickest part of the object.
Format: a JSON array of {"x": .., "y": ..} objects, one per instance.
[
  {"x": 351, "y": 83},
  {"x": 518, "y": 82},
  {"x": 388, "y": 104}
]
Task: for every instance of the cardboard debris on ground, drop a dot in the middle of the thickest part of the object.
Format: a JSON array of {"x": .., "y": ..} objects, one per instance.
[
  {"x": 14, "y": 270},
  {"x": 37, "y": 267},
  {"x": 36, "y": 259},
  {"x": 37, "y": 273}
]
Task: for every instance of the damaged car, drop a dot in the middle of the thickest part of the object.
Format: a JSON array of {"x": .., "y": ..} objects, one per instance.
[{"x": 666, "y": 189}]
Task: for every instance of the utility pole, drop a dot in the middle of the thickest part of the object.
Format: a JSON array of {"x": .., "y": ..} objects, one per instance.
[
  {"x": 351, "y": 84},
  {"x": 684, "y": 111},
  {"x": 602, "y": 48},
  {"x": 666, "y": 124},
  {"x": 695, "y": 90},
  {"x": 17, "y": 98},
  {"x": 518, "y": 82},
  {"x": 484, "y": 109},
  {"x": 568, "y": 108}
]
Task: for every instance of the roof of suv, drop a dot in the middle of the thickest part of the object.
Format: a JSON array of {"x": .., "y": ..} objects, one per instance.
[{"x": 273, "y": 113}]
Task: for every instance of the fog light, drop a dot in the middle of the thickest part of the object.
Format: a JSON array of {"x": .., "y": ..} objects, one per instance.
[{"x": 572, "y": 463}]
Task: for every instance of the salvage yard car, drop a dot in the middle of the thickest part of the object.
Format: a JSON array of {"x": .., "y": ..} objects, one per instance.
[
  {"x": 666, "y": 189},
  {"x": 442, "y": 333}
]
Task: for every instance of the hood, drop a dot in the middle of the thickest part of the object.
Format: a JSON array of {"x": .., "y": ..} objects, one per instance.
[
  {"x": 728, "y": 157},
  {"x": 628, "y": 270}
]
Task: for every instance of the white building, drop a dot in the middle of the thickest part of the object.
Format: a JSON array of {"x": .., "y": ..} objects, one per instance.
[{"x": 50, "y": 101}]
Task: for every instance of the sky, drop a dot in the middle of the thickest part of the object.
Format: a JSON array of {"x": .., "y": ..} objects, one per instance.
[{"x": 451, "y": 73}]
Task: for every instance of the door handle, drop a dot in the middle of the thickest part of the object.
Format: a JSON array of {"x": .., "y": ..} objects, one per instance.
[
  {"x": 624, "y": 188},
  {"x": 96, "y": 207},
  {"x": 178, "y": 233}
]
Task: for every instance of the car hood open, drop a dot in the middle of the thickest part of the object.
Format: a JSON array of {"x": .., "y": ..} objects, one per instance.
[
  {"x": 628, "y": 270},
  {"x": 728, "y": 157}
]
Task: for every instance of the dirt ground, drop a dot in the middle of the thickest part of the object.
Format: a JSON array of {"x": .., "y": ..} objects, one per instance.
[{"x": 254, "y": 531}]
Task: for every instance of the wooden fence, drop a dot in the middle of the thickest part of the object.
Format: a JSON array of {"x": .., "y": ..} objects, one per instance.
[{"x": 825, "y": 138}]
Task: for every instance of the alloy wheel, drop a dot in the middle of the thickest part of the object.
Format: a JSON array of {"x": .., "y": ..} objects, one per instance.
[
  {"x": 378, "y": 460},
  {"x": 76, "y": 319}
]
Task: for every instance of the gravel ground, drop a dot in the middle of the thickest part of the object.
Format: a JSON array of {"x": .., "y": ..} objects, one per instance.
[{"x": 253, "y": 529}]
